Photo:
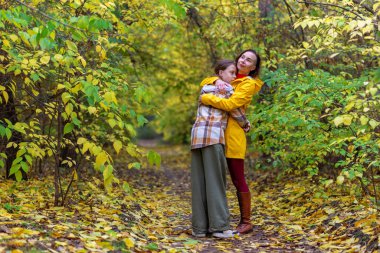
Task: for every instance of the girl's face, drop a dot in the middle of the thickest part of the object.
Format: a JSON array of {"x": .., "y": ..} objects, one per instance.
[
  {"x": 246, "y": 63},
  {"x": 229, "y": 74}
]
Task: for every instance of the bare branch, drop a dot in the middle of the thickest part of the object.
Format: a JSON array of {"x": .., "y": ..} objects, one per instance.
[
  {"x": 332, "y": 5},
  {"x": 365, "y": 6}
]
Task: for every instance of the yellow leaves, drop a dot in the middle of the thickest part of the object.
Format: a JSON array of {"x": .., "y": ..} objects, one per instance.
[
  {"x": 17, "y": 72},
  {"x": 83, "y": 61},
  {"x": 340, "y": 180},
  {"x": 22, "y": 232},
  {"x": 81, "y": 140},
  {"x": 76, "y": 88},
  {"x": 117, "y": 146},
  {"x": 151, "y": 218},
  {"x": 345, "y": 119},
  {"x": 333, "y": 55},
  {"x": 368, "y": 221},
  {"x": 75, "y": 175},
  {"x": 17, "y": 244},
  {"x": 363, "y": 120},
  {"x": 71, "y": 45},
  {"x": 105, "y": 245},
  {"x": 92, "y": 110},
  {"x": 295, "y": 227},
  {"x": 4, "y": 213},
  {"x": 102, "y": 54},
  {"x": 61, "y": 86},
  {"x": 104, "y": 106},
  {"x": 20, "y": 127},
  {"x": 107, "y": 172},
  {"x": 305, "y": 44},
  {"x": 132, "y": 150},
  {"x": 129, "y": 242},
  {"x": 109, "y": 96},
  {"x": 6, "y": 43},
  {"x": 25, "y": 38},
  {"x": 58, "y": 58},
  {"x": 45, "y": 60},
  {"x": 69, "y": 109},
  {"x": 307, "y": 22},
  {"x": 376, "y": 6},
  {"x": 52, "y": 35},
  {"x": 13, "y": 37},
  {"x": 65, "y": 97},
  {"x": 95, "y": 150},
  {"x": 101, "y": 51},
  {"x": 373, "y": 91},
  {"x": 111, "y": 122},
  {"x": 59, "y": 243},
  {"x": 6, "y": 96},
  {"x": 36, "y": 2},
  {"x": 373, "y": 123},
  {"x": 101, "y": 158},
  {"x": 349, "y": 106}
]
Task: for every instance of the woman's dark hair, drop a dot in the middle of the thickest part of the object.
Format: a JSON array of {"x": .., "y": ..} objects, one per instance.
[
  {"x": 256, "y": 71},
  {"x": 222, "y": 65}
]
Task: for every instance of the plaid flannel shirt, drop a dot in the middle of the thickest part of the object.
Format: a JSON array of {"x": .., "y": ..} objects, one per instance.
[{"x": 211, "y": 123}]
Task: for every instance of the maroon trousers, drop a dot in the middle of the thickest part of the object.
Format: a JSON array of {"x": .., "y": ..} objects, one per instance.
[{"x": 236, "y": 168}]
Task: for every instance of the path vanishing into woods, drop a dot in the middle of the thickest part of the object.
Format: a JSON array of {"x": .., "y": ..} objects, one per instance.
[
  {"x": 149, "y": 211},
  {"x": 287, "y": 216}
]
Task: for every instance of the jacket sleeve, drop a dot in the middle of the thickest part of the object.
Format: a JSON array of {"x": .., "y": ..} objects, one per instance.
[
  {"x": 242, "y": 96},
  {"x": 208, "y": 89},
  {"x": 239, "y": 115},
  {"x": 209, "y": 80}
]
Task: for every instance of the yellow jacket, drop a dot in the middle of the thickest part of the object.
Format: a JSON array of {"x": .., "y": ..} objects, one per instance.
[{"x": 244, "y": 89}]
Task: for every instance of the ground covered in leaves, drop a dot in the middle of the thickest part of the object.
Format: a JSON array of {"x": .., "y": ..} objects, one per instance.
[{"x": 152, "y": 214}]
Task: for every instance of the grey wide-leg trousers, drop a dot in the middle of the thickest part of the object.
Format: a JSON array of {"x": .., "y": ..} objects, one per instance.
[{"x": 208, "y": 187}]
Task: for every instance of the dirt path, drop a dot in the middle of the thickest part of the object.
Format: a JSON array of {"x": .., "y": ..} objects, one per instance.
[
  {"x": 148, "y": 210},
  {"x": 173, "y": 178}
]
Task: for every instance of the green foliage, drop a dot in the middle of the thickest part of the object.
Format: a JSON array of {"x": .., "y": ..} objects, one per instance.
[
  {"x": 154, "y": 158},
  {"x": 75, "y": 79},
  {"x": 319, "y": 123},
  {"x": 11, "y": 208},
  {"x": 343, "y": 42}
]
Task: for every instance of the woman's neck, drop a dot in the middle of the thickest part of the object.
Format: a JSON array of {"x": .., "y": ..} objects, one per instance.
[{"x": 240, "y": 75}]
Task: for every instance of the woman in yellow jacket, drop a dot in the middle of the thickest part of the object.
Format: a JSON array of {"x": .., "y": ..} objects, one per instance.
[{"x": 245, "y": 86}]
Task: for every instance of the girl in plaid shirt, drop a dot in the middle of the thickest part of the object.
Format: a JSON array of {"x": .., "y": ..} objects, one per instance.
[{"x": 208, "y": 163}]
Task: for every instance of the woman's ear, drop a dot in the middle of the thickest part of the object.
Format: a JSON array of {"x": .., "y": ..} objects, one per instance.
[{"x": 220, "y": 72}]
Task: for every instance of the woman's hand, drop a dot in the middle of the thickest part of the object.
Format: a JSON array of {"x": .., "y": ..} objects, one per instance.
[
  {"x": 247, "y": 127},
  {"x": 221, "y": 86}
]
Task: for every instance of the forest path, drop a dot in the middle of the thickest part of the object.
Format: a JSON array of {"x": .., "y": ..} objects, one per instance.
[
  {"x": 149, "y": 211},
  {"x": 272, "y": 233}
]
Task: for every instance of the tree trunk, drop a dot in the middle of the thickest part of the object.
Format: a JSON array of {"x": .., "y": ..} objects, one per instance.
[
  {"x": 266, "y": 18},
  {"x": 8, "y": 111},
  {"x": 57, "y": 185},
  {"x": 193, "y": 14}
]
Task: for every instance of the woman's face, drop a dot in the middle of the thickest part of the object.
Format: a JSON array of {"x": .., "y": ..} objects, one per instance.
[
  {"x": 246, "y": 63},
  {"x": 229, "y": 74}
]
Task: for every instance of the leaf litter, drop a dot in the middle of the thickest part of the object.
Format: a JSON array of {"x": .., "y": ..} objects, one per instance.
[{"x": 153, "y": 214}]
